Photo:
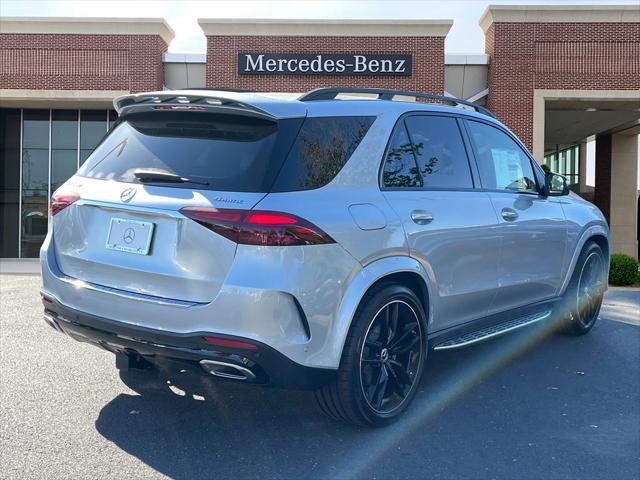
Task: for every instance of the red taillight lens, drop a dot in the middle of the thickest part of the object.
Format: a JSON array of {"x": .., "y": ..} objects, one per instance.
[
  {"x": 225, "y": 342},
  {"x": 254, "y": 227},
  {"x": 60, "y": 201}
]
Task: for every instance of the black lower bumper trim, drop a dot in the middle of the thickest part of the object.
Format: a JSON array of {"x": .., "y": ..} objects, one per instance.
[{"x": 270, "y": 367}]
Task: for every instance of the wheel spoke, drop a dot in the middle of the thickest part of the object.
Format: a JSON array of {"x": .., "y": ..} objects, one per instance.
[
  {"x": 396, "y": 383},
  {"x": 381, "y": 387},
  {"x": 372, "y": 344},
  {"x": 403, "y": 336},
  {"x": 405, "y": 348},
  {"x": 398, "y": 370},
  {"x": 370, "y": 361},
  {"x": 393, "y": 322}
]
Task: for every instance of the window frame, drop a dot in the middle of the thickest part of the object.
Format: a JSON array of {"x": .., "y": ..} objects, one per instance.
[
  {"x": 475, "y": 179},
  {"x": 537, "y": 170}
]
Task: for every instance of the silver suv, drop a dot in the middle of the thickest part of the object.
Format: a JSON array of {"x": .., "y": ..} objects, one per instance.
[{"x": 323, "y": 243}]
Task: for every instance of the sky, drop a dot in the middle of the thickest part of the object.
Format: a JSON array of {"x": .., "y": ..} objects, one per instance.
[{"x": 465, "y": 35}]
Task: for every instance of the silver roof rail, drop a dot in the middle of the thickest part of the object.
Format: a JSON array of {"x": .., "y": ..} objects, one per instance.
[{"x": 331, "y": 93}]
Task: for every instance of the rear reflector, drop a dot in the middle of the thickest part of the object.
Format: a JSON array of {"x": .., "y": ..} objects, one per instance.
[
  {"x": 225, "y": 342},
  {"x": 60, "y": 201},
  {"x": 254, "y": 227}
]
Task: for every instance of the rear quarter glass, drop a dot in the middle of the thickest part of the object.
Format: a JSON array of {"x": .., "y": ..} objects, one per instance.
[
  {"x": 228, "y": 152},
  {"x": 321, "y": 149}
]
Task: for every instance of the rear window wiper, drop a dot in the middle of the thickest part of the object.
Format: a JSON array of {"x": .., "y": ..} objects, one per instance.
[{"x": 160, "y": 176}]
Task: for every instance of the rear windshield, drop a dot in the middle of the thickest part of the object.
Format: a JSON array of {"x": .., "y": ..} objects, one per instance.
[{"x": 227, "y": 152}]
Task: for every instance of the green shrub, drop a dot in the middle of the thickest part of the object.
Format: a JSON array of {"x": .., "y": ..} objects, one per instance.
[{"x": 623, "y": 270}]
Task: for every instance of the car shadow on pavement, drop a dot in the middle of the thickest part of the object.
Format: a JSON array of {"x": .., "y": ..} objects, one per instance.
[{"x": 499, "y": 409}]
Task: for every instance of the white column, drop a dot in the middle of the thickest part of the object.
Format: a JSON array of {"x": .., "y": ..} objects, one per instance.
[
  {"x": 624, "y": 194},
  {"x": 582, "y": 166}
]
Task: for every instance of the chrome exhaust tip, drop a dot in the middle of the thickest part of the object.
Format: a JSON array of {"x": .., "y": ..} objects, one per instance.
[
  {"x": 227, "y": 370},
  {"x": 52, "y": 323}
]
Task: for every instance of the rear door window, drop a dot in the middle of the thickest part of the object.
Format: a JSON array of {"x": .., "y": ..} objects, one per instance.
[
  {"x": 440, "y": 152},
  {"x": 321, "y": 149},
  {"x": 400, "y": 169},
  {"x": 238, "y": 153}
]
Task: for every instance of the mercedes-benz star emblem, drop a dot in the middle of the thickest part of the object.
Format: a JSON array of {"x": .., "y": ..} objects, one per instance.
[
  {"x": 127, "y": 194},
  {"x": 129, "y": 235}
]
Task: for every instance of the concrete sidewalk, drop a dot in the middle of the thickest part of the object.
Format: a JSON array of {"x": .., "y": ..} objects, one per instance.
[{"x": 622, "y": 304}]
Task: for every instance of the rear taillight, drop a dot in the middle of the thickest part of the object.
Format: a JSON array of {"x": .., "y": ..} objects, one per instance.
[
  {"x": 255, "y": 227},
  {"x": 60, "y": 201}
]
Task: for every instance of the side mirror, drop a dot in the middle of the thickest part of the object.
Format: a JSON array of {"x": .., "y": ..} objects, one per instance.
[{"x": 555, "y": 185}]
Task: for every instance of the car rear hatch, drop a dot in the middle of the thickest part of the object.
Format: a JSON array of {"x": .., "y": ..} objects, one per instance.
[{"x": 117, "y": 223}]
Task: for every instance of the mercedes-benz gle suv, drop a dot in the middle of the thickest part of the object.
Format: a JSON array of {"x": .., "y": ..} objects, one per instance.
[{"x": 326, "y": 242}]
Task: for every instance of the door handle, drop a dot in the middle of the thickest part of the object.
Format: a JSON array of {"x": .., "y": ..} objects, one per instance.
[
  {"x": 509, "y": 214},
  {"x": 421, "y": 217}
]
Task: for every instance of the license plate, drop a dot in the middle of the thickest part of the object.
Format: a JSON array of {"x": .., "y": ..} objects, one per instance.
[{"x": 129, "y": 236}]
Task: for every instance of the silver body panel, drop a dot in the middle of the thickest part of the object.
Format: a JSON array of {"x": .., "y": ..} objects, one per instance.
[{"x": 471, "y": 260}]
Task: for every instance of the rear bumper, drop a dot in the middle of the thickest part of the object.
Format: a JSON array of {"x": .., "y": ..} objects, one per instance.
[{"x": 266, "y": 365}]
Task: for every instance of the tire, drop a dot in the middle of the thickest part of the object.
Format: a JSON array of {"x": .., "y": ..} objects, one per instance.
[
  {"x": 583, "y": 298},
  {"x": 382, "y": 360}
]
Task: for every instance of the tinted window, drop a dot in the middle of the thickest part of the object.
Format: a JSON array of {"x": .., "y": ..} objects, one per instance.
[
  {"x": 400, "y": 168},
  {"x": 9, "y": 181},
  {"x": 440, "y": 153},
  {"x": 321, "y": 149},
  {"x": 229, "y": 152},
  {"x": 502, "y": 162}
]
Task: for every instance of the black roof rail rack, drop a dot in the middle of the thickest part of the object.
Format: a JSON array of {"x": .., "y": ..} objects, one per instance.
[{"x": 331, "y": 93}]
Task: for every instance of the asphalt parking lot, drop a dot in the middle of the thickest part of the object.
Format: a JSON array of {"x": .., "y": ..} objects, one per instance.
[{"x": 522, "y": 406}]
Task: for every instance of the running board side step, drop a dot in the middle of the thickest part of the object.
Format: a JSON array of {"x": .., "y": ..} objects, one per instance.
[{"x": 492, "y": 331}]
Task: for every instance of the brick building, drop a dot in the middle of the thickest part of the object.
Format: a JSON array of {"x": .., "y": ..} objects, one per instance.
[{"x": 558, "y": 76}]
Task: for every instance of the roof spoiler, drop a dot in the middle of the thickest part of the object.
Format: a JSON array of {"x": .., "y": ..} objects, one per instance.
[{"x": 145, "y": 102}]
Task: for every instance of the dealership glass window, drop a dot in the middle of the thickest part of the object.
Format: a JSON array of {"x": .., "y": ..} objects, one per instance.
[
  {"x": 565, "y": 162},
  {"x": 113, "y": 116},
  {"x": 93, "y": 126},
  {"x": 64, "y": 146},
  {"x": 35, "y": 180},
  {"x": 39, "y": 150},
  {"x": 9, "y": 181}
]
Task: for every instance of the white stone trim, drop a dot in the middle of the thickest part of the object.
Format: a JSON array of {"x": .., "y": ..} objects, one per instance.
[
  {"x": 22, "y": 266},
  {"x": 59, "y": 98},
  {"x": 462, "y": 59},
  {"x": 478, "y": 96},
  {"x": 325, "y": 28},
  {"x": 558, "y": 14},
  {"x": 88, "y": 26},
  {"x": 169, "y": 57},
  {"x": 540, "y": 96}
]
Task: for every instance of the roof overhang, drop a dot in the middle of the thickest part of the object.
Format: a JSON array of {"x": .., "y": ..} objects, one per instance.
[
  {"x": 88, "y": 26},
  {"x": 29, "y": 98},
  {"x": 325, "y": 28},
  {"x": 558, "y": 14}
]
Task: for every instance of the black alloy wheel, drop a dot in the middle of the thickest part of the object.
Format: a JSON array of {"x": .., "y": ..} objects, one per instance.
[
  {"x": 382, "y": 359},
  {"x": 585, "y": 293},
  {"x": 391, "y": 356}
]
